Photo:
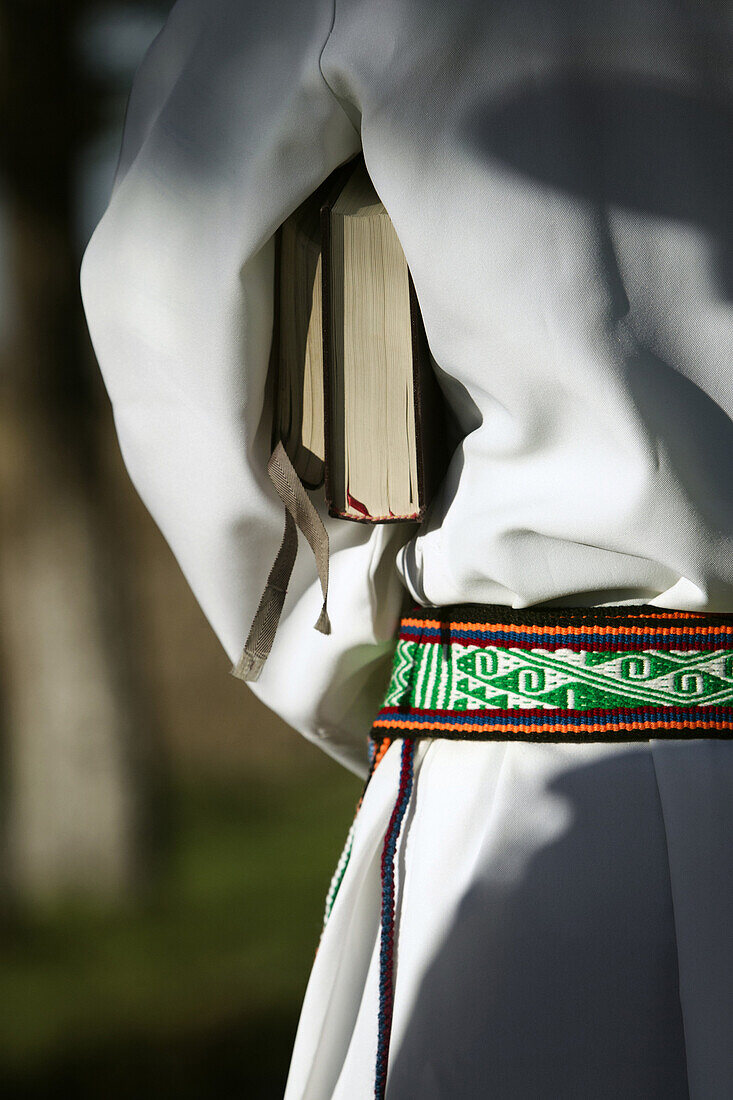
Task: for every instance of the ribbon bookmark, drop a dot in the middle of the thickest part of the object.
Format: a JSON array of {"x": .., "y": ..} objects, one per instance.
[{"x": 300, "y": 513}]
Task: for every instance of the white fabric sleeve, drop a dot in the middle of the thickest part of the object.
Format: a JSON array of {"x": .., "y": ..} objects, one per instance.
[{"x": 230, "y": 125}]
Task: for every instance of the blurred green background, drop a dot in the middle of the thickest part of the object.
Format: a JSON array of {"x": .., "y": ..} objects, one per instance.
[{"x": 167, "y": 842}]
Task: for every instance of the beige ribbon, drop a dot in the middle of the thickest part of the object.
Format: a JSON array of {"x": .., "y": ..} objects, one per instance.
[{"x": 300, "y": 513}]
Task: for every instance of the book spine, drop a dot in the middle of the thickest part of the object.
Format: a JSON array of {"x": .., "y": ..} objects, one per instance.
[
  {"x": 332, "y": 190},
  {"x": 326, "y": 309},
  {"x": 275, "y": 366}
]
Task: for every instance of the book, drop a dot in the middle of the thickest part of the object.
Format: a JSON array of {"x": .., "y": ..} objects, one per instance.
[
  {"x": 385, "y": 417},
  {"x": 357, "y": 404}
]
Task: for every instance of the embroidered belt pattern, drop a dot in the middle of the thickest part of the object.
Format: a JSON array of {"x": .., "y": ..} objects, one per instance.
[{"x": 582, "y": 679}]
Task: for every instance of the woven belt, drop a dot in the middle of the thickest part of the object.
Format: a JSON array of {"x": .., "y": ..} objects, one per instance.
[{"x": 484, "y": 672}]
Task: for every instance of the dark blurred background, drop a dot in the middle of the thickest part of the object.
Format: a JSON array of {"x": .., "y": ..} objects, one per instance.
[{"x": 167, "y": 842}]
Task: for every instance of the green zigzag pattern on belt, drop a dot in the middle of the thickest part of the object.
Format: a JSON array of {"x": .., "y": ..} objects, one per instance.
[{"x": 555, "y": 679}]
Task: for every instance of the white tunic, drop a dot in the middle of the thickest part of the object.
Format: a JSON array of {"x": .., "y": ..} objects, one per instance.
[{"x": 560, "y": 176}]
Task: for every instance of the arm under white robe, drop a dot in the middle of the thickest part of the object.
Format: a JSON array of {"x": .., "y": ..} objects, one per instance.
[{"x": 582, "y": 330}]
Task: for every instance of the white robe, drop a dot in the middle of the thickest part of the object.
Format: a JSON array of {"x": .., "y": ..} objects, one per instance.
[{"x": 560, "y": 176}]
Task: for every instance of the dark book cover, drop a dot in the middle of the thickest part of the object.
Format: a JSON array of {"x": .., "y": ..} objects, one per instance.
[{"x": 328, "y": 189}]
